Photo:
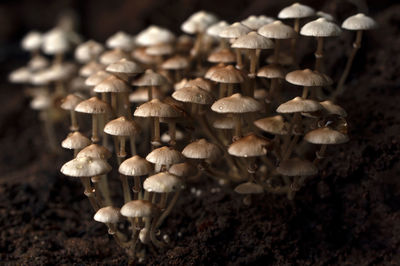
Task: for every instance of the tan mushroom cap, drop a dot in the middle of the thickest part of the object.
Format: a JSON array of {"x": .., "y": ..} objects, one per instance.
[
  {"x": 140, "y": 55},
  {"x": 296, "y": 10},
  {"x": 212, "y": 69},
  {"x": 224, "y": 123},
  {"x": 92, "y": 106},
  {"x": 112, "y": 84},
  {"x": 120, "y": 40},
  {"x": 234, "y": 31},
  {"x": 201, "y": 149},
  {"x": 325, "y": 135},
  {"x": 135, "y": 166},
  {"x": 334, "y": 109},
  {"x": 139, "y": 208},
  {"x": 85, "y": 167},
  {"x": 165, "y": 156},
  {"x": 215, "y": 29},
  {"x": 124, "y": 66},
  {"x": 299, "y": 104},
  {"x": 308, "y": 78},
  {"x": 163, "y": 182},
  {"x": 90, "y": 68},
  {"x": 95, "y": 151},
  {"x": 249, "y": 188},
  {"x": 201, "y": 83},
  {"x": 156, "y": 108},
  {"x": 141, "y": 95},
  {"x": 153, "y": 35},
  {"x": 222, "y": 56},
  {"x": 122, "y": 127},
  {"x": 198, "y": 22},
  {"x": 271, "y": 71},
  {"x": 182, "y": 169},
  {"x": 193, "y": 94},
  {"x": 160, "y": 49},
  {"x": 175, "y": 63},
  {"x": 320, "y": 28},
  {"x": 297, "y": 167},
  {"x": 107, "y": 215},
  {"x": 236, "y": 103},
  {"x": 109, "y": 57},
  {"x": 256, "y": 22},
  {"x": 228, "y": 74},
  {"x": 249, "y": 146},
  {"x": 97, "y": 78},
  {"x": 32, "y": 41},
  {"x": 88, "y": 50},
  {"x": 75, "y": 140},
  {"x": 253, "y": 40},
  {"x": 273, "y": 125},
  {"x": 277, "y": 30},
  {"x": 150, "y": 78},
  {"x": 70, "y": 102},
  {"x": 359, "y": 22}
]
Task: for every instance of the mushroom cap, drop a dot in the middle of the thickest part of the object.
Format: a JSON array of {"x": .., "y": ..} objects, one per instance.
[
  {"x": 95, "y": 151},
  {"x": 90, "y": 68},
  {"x": 201, "y": 83},
  {"x": 212, "y": 69},
  {"x": 359, "y": 22},
  {"x": 201, "y": 149},
  {"x": 85, "y": 167},
  {"x": 273, "y": 125},
  {"x": 160, "y": 49},
  {"x": 41, "y": 102},
  {"x": 198, "y": 22},
  {"x": 165, "y": 156},
  {"x": 122, "y": 127},
  {"x": 21, "y": 75},
  {"x": 222, "y": 56},
  {"x": 253, "y": 40},
  {"x": 150, "y": 78},
  {"x": 325, "y": 15},
  {"x": 120, "y": 40},
  {"x": 193, "y": 94},
  {"x": 92, "y": 106},
  {"x": 55, "y": 41},
  {"x": 216, "y": 28},
  {"x": 75, "y": 140},
  {"x": 297, "y": 167},
  {"x": 228, "y": 74},
  {"x": 249, "y": 146},
  {"x": 112, "y": 84},
  {"x": 236, "y": 103},
  {"x": 141, "y": 95},
  {"x": 97, "y": 78},
  {"x": 88, "y": 50},
  {"x": 153, "y": 35},
  {"x": 320, "y": 28},
  {"x": 325, "y": 135},
  {"x": 271, "y": 71},
  {"x": 249, "y": 188},
  {"x": 296, "y": 10},
  {"x": 299, "y": 104},
  {"x": 124, "y": 66},
  {"x": 234, "y": 31},
  {"x": 182, "y": 169},
  {"x": 139, "y": 208},
  {"x": 277, "y": 30},
  {"x": 70, "y": 102},
  {"x": 135, "y": 166},
  {"x": 256, "y": 22},
  {"x": 109, "y": 57},
  {"x": 38, "y": 62},
  {"x": 308, "y": 78},
  {"x": 156, "y": 108},
  {"x": 107, "y": 215},
  {"x": 333, "y": 109},
  {"x": 32, "y": 41},
  {"x": 225, "y": 122},
  {"x": 175, "y": 63},
  {"x": 163, "y": 182}
]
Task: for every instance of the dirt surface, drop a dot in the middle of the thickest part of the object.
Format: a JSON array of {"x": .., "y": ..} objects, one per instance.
[{"x": 348, "y": 215}]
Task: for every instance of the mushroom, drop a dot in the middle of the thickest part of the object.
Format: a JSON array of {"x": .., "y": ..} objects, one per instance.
[
  {"x": 164, "y": 156},
  {"x": 227, "y": 77},
  {"x": 273, "y": 72},
  {"x": 75, "y": 141},
  {"x": 69, "y": 103},
  {"x": 152, "y": 81},
  {"x": 308, "y": 78},
  {"x": 110, "y": 216}
]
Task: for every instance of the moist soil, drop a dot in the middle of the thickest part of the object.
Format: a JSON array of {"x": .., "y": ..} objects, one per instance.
[{"x": 348, "y": 215}]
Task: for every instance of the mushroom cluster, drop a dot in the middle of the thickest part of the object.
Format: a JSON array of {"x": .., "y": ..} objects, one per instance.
[{"x": 173, "y": 109}]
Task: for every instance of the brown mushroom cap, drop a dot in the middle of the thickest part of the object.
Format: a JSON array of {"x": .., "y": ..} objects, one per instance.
[
  {"x": 165, "y": 156},
  {"x": 124, "y": 66},
  {"x": 139, "y": 208},
  {"x": 228, "y": 74},
  {"x": 135, "y": 166},
  {"x": 271, "y": 71},
  {"x": 222, "y": 56},
  {"x": 273, "y": 125},
  {"x": 325, "y": 135},
  {"x": 277, "y": 30},
  {"x": 182, "y": 169},
  {"x": 249, "y": 188},
  {"x": 297, "y": 167},
  {"x": 253, "y": 40},
  {"x": 112, "y": 84},
  {"x": 249, "y": 146},
  {"x": 201, "y": 149},
  {"x": 334, "y": 109},
  {"x": 320, "y": 28},
  {"x": 163, "y": 182},
  {"x": 156, "y": 108},
  {"x": 297, "y": 105},
  {"x": 97, "y": 78},
  {"x": 236, "y": 103},
  {"x": 150, "y": 78},
  {"x": 234, "y": 31},
  {"x": 70, "y": 102},
  {"x": 193, "y": 94},
  {"x": 75, "y": 140},
  {"x": 175, "y": 63},
  {"x": 92, "y": 106},
  {"x": 122, "y": 127},
  {"x": 359, "y": 22},
  {"x": 296, "y": 10},
  {"x": 95, "y": 151},
  {"x": 85, "y": 167},
  {"x": 308, "y": 78},
  {"x": 107, "y": 215}
]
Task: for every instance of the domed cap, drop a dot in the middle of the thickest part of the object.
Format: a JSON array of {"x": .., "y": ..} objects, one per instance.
[
  {"x": 75, "y": 140},
  {"x": 272, "y": 71},
  {"x": 107, "y": 215},
  {"x": 141, "y": 95},
  {"x": 320, "y": 28},
  {"x": 182, "y": 169},
  {"x": 120, "y": 40},
  {"x": 236, "y": 103},
  {"x": 121, "y": 127},
  {"x": 249, "y": 146},
  {"x": 359, "y": 22},
  {"x": 70, "y": 102},
  {"x": 212, "y": 69},
  {"x": 156, "y": 108},
  {"x": 299, "y": 104},
  {"x": 234, "y": 31},
  {"x": 153, "y": 35},
  {"x": 254, "y": 22},
  {"x": 333, "y": 109},
  {"x": 21, "y": 75},
  {"x": 97, "y": 78},
  {"x": 308, "y": 78},
  {"x": 325, "y": 15},
  {"x": 228, "y": 74},
  {"x": 198, "y": 22},
  {"x": 277, "y": 30},
  {"x": 297, "y": 167},
  {"x": 165, "y": 156},
  {"x": 175, "y": 63},
  {"x": 225, "y": 122},
  {"x": 160, "y": 49},
  {"x": 95, "y": 151},
  {"x": 85, "y": 167},
  {"x": 296, "y": 10},
  {"x": 139, "y": 208},
  {"x": 55, "y": 41},
  {"x": 249, "y": 188},
  {"x": 135, "y": 166},
  {"x": 201, "y": 83},
  {"x": 90, "y": 68},
  {"x": 87, "y": 51},
  {"x": 92, "y": 106},
  {"x": 193, "y": 94},
  {"x": 273, "y": 125},
  {"x": 252, "y": 41},
  {"x": 215, "y": 29},
  {"x": 112, "y": 84},
  {"x": 222, "y": 56},
  {"x": 124, "y": 66},
  {"x": 109, "y": 57},
  {"x": 32, "y": 41},
  {"x": 150, "y": 78},
  {"x": 325, "y": 135},
  {"x": 163, "y": 182},
  {"x": 201, "y": 149}
]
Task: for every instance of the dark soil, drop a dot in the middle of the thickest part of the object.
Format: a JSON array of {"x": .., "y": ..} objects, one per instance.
[{"x": 348, "y": 215}]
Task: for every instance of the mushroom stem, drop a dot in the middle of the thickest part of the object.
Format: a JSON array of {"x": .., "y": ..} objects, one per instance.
[
  {"x": 163, "y": 200},
  {"x": 168, "y": 209},
  {"x": 95, "y": 124},
  {"x": 290, "y": 147},
  {"x": 156, "y": 124},
  {"x": 136, "y": 188},
  {"x": 153, "y": 229},
  {"x": 89, "y": 192},
  {"x": 122, "y": 152},
  {"x": 172, "y": 132},
  {"x": 132, "y": 142},
  {"x": 74, "y": 121},
  {"x": 296, "y": 27},
  {"x": 125, "y": 187},
  {"x": 319, "y": 54},
  {"x": 239, "y": 61},
  {"x": 114, "y": 102},
  {"x": 277, "y": 50},
  {"x": 320, "y": 154},
  {"x": 305, "y": 92},
  {"x": 253, "y": 61}
]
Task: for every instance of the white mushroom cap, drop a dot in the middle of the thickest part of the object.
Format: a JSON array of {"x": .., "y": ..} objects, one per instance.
[
  {"x": 236, "y": 103},
  {"x": 92, "y": 106},
  {"x": 249, "y": 188},
  {"x": 97, "y": 78},
  {"x": 135, "y": 166},
  {"x": 320, "y": 28},
  {"x": 325, "y": 135},
  {"x": 216, "y": 28},
  {"x": 32, "y": 41},
  {"x": 112, "y": 84},
  {"x": 41, "y": 102},
  {"x": 277, "y": 30},
  {"x": 124, "y": 66},
  {"x": 332, "y": 108},
  {"x": 234, "y": 31},
  {"x": 249, "y": 146},
  {"x": 75, "y": 140},
  {"x": 296, "y": 10},
  {"x": 90, "y": 68},
  {"x": 20, "y": 75},
  {"x": 253, "y": 41},
  {"x": 154, "y": 35},
  {"x": 85, "y": 167},
  {"x": 139, "y": 208},
  {"x": 95, "y": 151},
  {"x": 299, "y": 104},
  {"x": 156, "y": 108},
  {"x": 165, "y": 156},
  {"x": 109, "y": 57},
  {"x": 254, "y": 22},
  {"x": 55, "y": 42},
  {"x": 163, "y": 182},
  {"x": 193, "y": 94},
  {"x": 325, "y": 15},
  {"x": 201, "y": 149},
  {"x": 107, "y": 215},
  {"x": 121, "y": 127},
  {"x": 359, "y": 22},
  {"x": 120, "y": 40},
  {"x": 88, "y": 51},
  {"x": 198, "y": 22}
]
